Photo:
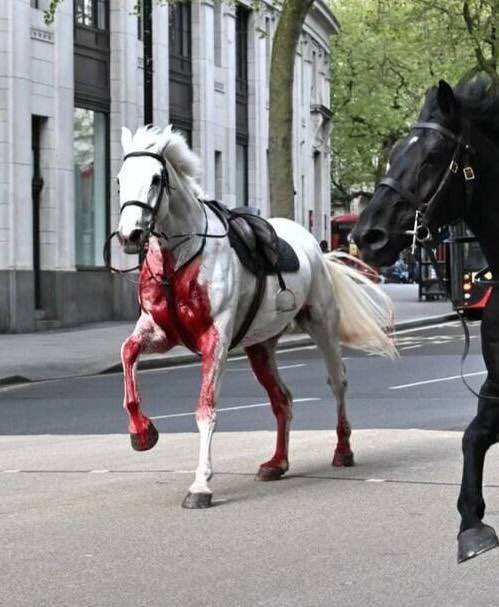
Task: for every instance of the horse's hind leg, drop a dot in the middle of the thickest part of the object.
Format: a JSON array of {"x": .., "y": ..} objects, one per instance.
[
  {"x": 147, "y": 337},
  {"x": 323, "y": 330},
  {"x": 263, "y": 363}
]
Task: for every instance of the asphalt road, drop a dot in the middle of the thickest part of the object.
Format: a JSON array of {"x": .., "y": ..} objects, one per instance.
[
  {"x": 377, "y": 397},
  {"x": 86, "y": 521}
]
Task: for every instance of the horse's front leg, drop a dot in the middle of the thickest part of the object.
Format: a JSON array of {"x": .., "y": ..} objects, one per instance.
[
  {"x": 147, "y": 337},
  {"x": 214, "y": 346},
  {"x": 474, "y": 536}
]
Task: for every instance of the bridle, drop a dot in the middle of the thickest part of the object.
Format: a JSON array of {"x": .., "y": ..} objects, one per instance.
[
  {"x": 422, "y": 233},
  {"x": 165, "y": 187},
  {"x": 461, "y": 156}
]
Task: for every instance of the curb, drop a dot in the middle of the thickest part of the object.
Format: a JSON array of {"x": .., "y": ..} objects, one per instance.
[
  {"x": 184, "y": 359},
  {"x": 291, "y": 342}
]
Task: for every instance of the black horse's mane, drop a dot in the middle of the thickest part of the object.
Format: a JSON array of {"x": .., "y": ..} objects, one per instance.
[{"x": 479, "y": 101}]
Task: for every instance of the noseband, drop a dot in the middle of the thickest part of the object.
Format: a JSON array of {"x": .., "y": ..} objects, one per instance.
[{"x": 462, "y": 154}]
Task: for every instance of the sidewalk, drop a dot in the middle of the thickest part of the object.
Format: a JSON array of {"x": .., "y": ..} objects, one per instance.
[{"x": 95, "y": 348}]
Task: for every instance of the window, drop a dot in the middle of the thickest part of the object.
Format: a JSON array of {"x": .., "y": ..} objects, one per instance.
[
  {"x": 242, "y": 17},
  {"x": 219, "y": 190},
  {"x": 241, "y": 175},
  {"x": 34, "y": 4},
  {"x": 90, "y": 159},
  {"x": 91, "y": 13},
  {"x": 242, "y": 129},
  {"x": 217, "y": 32},
  {"x": 180, "y": 68},
  {"x": 180, "y": 31}
]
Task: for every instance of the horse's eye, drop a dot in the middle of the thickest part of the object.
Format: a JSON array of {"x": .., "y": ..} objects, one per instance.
[
  {"x": 156, "y": 180},
  {"x": 434, "y": 158}
]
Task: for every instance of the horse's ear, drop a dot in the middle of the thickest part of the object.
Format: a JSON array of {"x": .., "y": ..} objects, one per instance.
[
  {"x": 126, "y": 139},
  {"x": 446, "y": 99}
]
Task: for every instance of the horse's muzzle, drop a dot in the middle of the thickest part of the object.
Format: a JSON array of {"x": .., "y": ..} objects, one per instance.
[{"x": 133, "y": 242}]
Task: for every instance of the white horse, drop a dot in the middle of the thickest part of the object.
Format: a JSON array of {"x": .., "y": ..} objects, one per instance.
[{"x": 193, "y": 290}]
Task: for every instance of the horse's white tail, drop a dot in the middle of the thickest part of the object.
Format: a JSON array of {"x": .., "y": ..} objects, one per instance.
[{"x": 366, "y": 312}]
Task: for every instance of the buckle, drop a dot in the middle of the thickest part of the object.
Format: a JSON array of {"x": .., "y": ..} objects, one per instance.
[
  {"x": 453, "y": 167},
  {"x": 469, "y": 175}
]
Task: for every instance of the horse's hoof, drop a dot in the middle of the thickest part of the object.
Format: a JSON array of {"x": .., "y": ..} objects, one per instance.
[
  {"x": 475, "y": 541},
  {"x": 146, "y": 440},
  {"x": 194, "y": 501},
  {"x": 343, "y": 459},
  {"x": 269, "y": 474}
]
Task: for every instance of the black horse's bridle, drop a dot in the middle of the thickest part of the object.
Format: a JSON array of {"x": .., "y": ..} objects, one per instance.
[
  {"x": 422, "y": 233},
  {"x": 423, "y": 210}
]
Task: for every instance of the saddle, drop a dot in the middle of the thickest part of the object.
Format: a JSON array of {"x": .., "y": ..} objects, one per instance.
[
  {"x": 255, "y": 241},
  {"x": 259, "y": 249}
]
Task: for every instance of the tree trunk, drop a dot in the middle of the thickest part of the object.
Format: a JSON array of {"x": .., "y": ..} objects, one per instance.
[{"x": 282, "y": 191}]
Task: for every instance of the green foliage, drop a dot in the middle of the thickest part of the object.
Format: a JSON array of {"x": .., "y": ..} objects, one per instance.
[
  {"x": 388, "y": 54},
  {"x": 49, "y": 14}
]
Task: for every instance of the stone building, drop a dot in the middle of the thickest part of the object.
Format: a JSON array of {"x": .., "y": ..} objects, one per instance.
[{"x": 67, "y": 88}]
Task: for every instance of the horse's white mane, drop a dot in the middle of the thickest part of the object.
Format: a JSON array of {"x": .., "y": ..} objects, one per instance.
[{"x": 173, "y": 146}]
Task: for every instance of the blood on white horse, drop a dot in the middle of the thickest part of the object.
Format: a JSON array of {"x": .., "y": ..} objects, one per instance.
[{"x": 194, "y": 290}]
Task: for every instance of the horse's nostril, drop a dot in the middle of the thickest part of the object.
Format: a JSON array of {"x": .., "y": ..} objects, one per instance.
[
  {"x": 135, "y": 236},
  {"x": 376, "y": 238}
]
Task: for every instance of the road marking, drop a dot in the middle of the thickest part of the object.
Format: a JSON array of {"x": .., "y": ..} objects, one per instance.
[
  {"x": 411, "y": 347},
  {"x": 98, "y": 471},
  {"x": 375, "y": 480},
  {"x": 436, "y": 380},
  {"x": 281, "y": 368},
  {"x": 238, "y": 408},
  {"x": 10, "y": 471}
]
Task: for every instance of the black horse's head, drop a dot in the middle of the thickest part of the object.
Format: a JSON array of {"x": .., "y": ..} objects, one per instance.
[{"x": 425, "y": 174}]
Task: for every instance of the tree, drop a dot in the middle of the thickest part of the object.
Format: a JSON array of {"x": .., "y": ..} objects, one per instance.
[
  {"x": 284, "y": 45},
  {"x": 388, "y": 54}
]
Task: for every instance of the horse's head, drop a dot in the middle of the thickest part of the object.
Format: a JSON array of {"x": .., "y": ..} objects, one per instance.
[
  {"x": 424, "y": 174},
  {"x": 143, "y": 183}
]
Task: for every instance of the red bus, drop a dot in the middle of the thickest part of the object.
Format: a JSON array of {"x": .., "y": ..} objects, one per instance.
[
  {"x": 341, "y": 226},
  {"x": 468, "y": 272}
]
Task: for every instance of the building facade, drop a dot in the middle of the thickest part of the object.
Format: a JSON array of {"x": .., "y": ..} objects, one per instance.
[{"x": 66, "y": 89}]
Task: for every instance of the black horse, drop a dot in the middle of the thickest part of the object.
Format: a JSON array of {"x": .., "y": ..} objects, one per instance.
[{"x": 447, "y": 170}]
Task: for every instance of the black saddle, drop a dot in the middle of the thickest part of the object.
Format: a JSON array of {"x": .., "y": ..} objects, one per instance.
[
  {"x": 255, "y": 241},
  {"x": 259, "y": 249}
]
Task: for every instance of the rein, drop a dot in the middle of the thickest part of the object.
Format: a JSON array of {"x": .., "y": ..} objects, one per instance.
[{"x": 422, "y": 233}]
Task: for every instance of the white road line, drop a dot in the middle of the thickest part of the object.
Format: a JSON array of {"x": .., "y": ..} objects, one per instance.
[
  {"x": 98, "y": 471},
  {"x": 375, "y": 480},
  {"x": 254, "y": 406},
  {"x": 282, "y": 368},
  {"x": 434, "y": 381},
  {"x": 411, "y": 347},
  {"x": 450, "y": 323},
  {"x": 10, "y": 471}
]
